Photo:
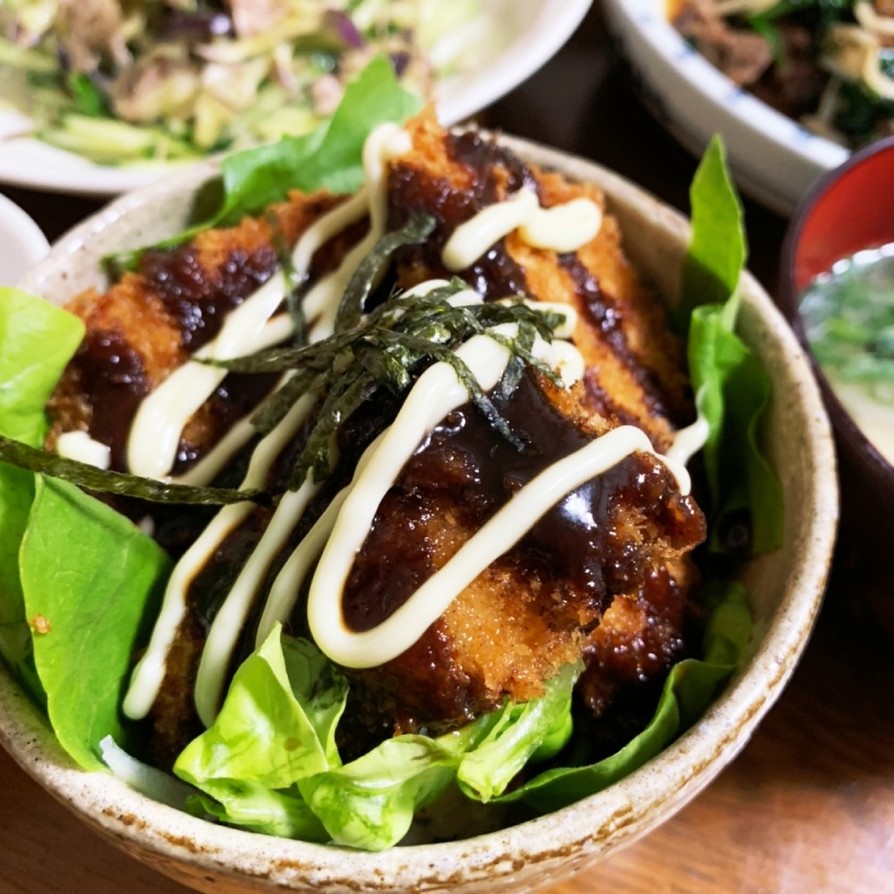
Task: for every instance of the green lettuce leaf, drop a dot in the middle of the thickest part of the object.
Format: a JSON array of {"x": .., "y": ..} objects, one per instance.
[
  {"x": 689, "y": 689},
  {"x": 267, "y": 811},
  {"x": 717, "y": 249},
  {"x": 269, "y": 762},
  {"x": 276, "y": 725},
  {"x": 370, "y": 803},
  {"x": 64, "y": 557},
  {"x": 37, "y": 339},
  {"x": 277, "y": 721},
  {"x": 90, "y": 579},
  {"x": 732, "y": 390},
  {"x": 538, "y": 728},
  {"x": 327, "y": 158}
]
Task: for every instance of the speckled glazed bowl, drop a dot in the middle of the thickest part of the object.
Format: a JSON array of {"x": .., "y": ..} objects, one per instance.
[
  {"x": 773, "y": 158},
  {"x": 785, "y": 587}
]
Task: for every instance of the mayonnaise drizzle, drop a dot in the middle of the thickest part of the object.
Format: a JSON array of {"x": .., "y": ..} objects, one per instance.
[
  {"x": 561, "y": 228},
  {"x": 218, "y": 457},
  {"x": 506, "y": 527},
  {"x": 435, "y": 394},
  {"x": 565, "y": 358},
  {"x": 156, "y": 431},
  {"x": 149, "y": 671},
  {"x": 230, "y": 620},
  {"x": 292, "y": 575},
  {"x": 688, "y": 441},
  {"x": 80, "y": 446},
  {"x": 161, "y": 417}
]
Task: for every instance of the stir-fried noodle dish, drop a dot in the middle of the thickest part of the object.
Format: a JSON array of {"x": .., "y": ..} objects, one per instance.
[{"x": 829, "y": 64}]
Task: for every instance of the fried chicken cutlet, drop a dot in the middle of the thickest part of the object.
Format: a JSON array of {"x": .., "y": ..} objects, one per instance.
[{"x": 602, "y": 578}]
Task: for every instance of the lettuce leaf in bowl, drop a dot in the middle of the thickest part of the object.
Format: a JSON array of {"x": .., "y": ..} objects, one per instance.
[
  {"x": 732, "y": 390},
  {"x": 75, "y": 576},
  {"x": 90, "y": 579},
  {"x": 36, "y": 342},
  {"x": 246, "y": 761}
]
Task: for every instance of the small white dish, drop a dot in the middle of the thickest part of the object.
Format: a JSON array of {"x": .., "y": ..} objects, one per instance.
[
  {"x": 525, "y": 36},
  {"x": 772, "y": 157},
  {"x": 22, "y": 243}
]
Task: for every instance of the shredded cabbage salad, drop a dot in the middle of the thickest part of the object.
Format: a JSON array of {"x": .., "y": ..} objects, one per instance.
[{"x": 120, "y": 81}]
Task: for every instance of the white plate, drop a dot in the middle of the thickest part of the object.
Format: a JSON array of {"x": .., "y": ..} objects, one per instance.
[
  {"x": 529, "y": 33},
  {"x": 22, "y": 244},
  {"x": 773, "y": 158}
]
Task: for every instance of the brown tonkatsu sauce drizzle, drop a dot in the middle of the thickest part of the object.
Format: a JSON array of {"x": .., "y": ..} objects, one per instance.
[
  {"x": 196, "y": 299},
  {"x": 198, "y": 302},
  {"x": 574, "y": 545},
  {"x": 236, "y": 397},
  {"x": 604, "y": 314},
  {"x": 111, "y": 372}
]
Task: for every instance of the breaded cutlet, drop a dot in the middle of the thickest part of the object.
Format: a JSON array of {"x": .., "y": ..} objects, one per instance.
[
  {"x": 610, "y": 591},
  {"x": 151, "y": 320},
  {"x": 635, "y": 366}
]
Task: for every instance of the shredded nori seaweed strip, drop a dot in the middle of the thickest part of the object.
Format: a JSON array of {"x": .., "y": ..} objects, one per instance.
[
  {"x": 350, "y": 311},
  {"x": 344, "y": 396},
  {"x": 292, "y": 282},
  {"x": 386, "y": 349},
  {"x": 274, "y": 408},
  {"x": 122, "y": 484}
]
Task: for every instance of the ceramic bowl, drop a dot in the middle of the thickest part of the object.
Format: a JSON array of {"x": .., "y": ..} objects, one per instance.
[
  {"x": 785, "y": 588},
  {"x": 848, "y": 210},
  {"x": 773, "y": 158}
]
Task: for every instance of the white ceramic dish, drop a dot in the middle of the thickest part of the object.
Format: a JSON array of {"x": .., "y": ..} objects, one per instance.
[
  {"x": 785, "y": 589},
  {"x": 773, "y": 158},
  {"x": 22, "y": 242},
  {"x": 529, "y": 34}
]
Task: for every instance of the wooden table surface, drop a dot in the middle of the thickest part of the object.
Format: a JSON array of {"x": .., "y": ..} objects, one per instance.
[{"x": 807, "y": 807}]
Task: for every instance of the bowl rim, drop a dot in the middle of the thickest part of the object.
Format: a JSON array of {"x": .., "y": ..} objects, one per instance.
[
  {"x": 556, "y": 22},
  {"x": 648, "y": 19},
  {"x": 858, "y": 445},
  {"x": 569, "y": 837}
]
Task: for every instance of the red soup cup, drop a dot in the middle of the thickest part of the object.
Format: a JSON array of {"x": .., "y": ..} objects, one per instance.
[{"x": 849, "y": 209}]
